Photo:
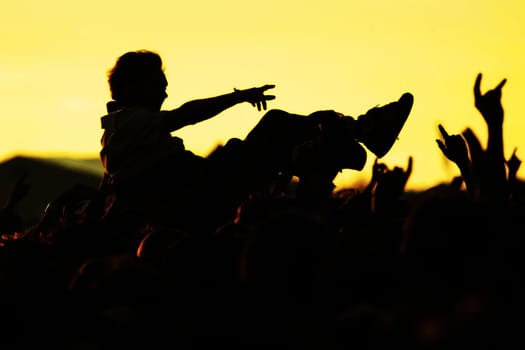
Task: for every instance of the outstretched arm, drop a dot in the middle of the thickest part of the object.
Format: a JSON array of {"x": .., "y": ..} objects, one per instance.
[{"x": 196, "y": 111}]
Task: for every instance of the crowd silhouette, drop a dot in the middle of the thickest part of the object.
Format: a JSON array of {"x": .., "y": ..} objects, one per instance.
[{"x": 253, "y": 247}]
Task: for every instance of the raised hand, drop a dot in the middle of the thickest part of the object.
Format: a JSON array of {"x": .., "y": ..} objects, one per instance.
[
  {"x": 399, "y": 176},
  {"x": 513, "y": 163},
  {"x": 453, "y": 147},
  {"x": 495, "y": 172},
  {"x": 256, "y": 96},
  {"x": 457, "y": 149},
  {"x": 377, "y": 170},
  {"x": 489, "y": 104},
  {"x": 390, "y": 184}
]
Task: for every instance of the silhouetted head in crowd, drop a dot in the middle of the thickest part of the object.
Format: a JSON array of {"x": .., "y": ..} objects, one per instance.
[{"x": 138, "y": 80}]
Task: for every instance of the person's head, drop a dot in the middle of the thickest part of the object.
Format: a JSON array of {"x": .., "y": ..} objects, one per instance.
[{"x": 137, "y": 80}]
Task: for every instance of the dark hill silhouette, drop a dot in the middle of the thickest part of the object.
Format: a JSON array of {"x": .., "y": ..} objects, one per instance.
[{"x": 48, "y": 178}]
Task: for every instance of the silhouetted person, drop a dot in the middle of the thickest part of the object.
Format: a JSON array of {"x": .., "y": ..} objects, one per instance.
[{"x": 148, "y": 168}]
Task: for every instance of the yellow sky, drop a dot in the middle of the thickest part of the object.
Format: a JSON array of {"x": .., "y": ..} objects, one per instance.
[{"x": 344, "y": 55}]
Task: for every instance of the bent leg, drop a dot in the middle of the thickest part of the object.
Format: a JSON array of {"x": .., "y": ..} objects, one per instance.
[
  {"x": 279, "y": 132},
  {"x": 325, "y": 139}
]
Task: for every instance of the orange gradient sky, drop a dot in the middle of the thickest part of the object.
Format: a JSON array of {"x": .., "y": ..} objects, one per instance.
[{"x": 344, "y": 55}]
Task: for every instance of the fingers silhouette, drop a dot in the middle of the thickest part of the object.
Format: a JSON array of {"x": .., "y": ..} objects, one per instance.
[
  {"x": 444, "y": 133},
  {"x": 489, "y": 104},
  {"x": 409, "y": 166},
  {"x": 477, "y": 87},
  {"x": 453, "y": 146},
  {"x": 513, "y": 163},
  {"x": 256, "y": 97}
]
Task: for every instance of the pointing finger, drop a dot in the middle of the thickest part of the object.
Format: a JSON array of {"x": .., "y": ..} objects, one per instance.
[
  {"x": 500, "y": 85},
  {"x": 443, "y": 131},
  {"x": 409, "y": 166},
  {"x": 442, "y": 147},
  {"x": 477, "y": 87},
  {"x": 267, "y": 86}
]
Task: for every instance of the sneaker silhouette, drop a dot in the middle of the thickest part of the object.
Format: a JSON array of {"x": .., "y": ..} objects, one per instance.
[
  {"x": 339, "y": 144},
  {"x": 379, "y": 127}
]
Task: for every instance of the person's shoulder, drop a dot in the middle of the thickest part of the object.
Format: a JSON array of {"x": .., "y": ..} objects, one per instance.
[
  {"x": 132, "y": 116},
  {"x": 114, "y": 118},
  {"x": 108, "y": 121}
]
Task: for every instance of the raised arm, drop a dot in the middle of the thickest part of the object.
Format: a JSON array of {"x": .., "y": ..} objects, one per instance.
[
  {"x": 196, "y": 111},
  {"x": 454, "y": 147},
  {"x": 390, "y": 185},
  {"x": 490, "y": 107}
]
